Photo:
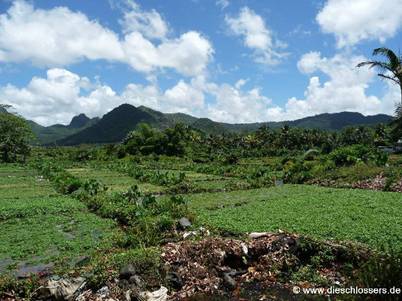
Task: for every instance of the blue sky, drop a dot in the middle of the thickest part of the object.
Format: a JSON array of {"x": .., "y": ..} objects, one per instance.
[{"x": 232, "y": 61}]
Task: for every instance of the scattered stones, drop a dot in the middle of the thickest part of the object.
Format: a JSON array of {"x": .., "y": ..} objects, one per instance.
[
  {"x": 378, "y": 183},
  {"x": 224, "y": 267}
]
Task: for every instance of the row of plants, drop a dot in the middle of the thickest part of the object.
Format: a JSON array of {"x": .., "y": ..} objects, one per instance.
[{"x": 146, "y": 219}]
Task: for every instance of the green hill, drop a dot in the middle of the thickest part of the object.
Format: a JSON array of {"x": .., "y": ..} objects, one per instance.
[
  {"x": 326, "y": 121},
  {"x": 115, "y": 125},
  {"x": 49, "y": 134}
]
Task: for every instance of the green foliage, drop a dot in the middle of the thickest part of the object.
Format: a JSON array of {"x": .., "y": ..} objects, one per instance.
[
  {"x": 39, "y": 226},
  {"x": 382, "y": 269},
  {"x": 157, "y": 177},
  {"x": 369, "y": 217},
  {"x": 146, "y": 140},
  {"x": 350, "y": 155},
  {"x": 148, "y": 218},
  {"x": 65, "y": 183},
  {"x": 15, "y": 135},
  {"x": 297, "y": 172}
]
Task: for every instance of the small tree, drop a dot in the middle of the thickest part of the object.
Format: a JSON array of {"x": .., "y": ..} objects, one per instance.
[
  {"x": 15, "y": 135},
  {"x": 391, "y": 69}
]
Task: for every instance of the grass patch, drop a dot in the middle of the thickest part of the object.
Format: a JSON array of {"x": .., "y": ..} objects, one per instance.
[{"x": 369, "y": 217}]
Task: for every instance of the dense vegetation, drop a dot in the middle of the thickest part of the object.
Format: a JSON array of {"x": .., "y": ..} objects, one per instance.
[{"x": 15, "y": 135}]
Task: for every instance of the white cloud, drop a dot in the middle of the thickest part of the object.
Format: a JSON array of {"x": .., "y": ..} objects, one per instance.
[
  {"x": 237, "y": 106},
  {"x": 148, "y": 23},
  {"x": 185, "y": 98},
  {"x": 182, "y": 97},
  {"x": 358, "y": 20},
  {"x": 188, "y": 54},
  {"x": 59, "y": 37},
  {"x": 257, "y": 36},
  {"x": 58, "y": 97},
  {"x": 345, "y": 89},
  {"x": 62, "y": 94},
  {"x": 222, "y": 3},
  {"x": 54, "y": 37}
]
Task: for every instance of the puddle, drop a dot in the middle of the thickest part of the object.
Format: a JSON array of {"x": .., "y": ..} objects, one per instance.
[
  {"x": 24, "y": 270},
  {"x": 4, "y": 264}
]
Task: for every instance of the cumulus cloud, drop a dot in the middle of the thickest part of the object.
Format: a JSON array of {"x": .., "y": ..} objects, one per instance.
[
  {"x": 58, "y": 97},
  {"x": 238, "y": 106},
  {"x": 345, "y": 89},
  {"x": 54, "y": 37},
  {"x": 226, "y": 103},
  {"x": 59, "y": 37},
  {"x": 257, "y": 36},
  {"x": 188, "y": 54},
  {"x": 358, "y": 20},
  {"x": 149, "y": 23},
  {"x": 62, "y": 94}
]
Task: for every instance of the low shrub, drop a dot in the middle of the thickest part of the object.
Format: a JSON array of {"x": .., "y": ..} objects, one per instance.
[
  {"x": 350, "y": 155},
  {"x": 66, "y": 183},
  {"x": 383, "y": 269}
]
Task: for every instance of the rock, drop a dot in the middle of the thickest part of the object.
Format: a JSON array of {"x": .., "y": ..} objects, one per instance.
[
  {"x": 103, "y": 292},
  {"x": 137, "y": 281},
  {"x": 64, "y": 289},
  {"x": 159, "y": 295},
  {"x": 229, "y": 282},
  {"x": 127, "y": 271},
  {"x": 184, "y": 223},
  {"x": 189, "y": 234},
  {"x": 255, "y": 235},
  {"x": 124, "y": 284},
  {"x": 244, "y": 248}
]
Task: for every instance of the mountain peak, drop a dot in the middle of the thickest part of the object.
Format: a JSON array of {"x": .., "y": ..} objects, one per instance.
[{"x": 79, "y": 121}]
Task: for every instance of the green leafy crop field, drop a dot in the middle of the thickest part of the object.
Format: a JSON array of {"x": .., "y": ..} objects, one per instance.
[
  {"x": 369, "y": 217},
  {"x": 39, "y": 226},
  {"x": 115, "y": 181}
]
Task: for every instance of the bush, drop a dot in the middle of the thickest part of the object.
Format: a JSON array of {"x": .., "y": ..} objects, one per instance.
[
  {"x": 66, "y": 183},
  {"x": 383, "y": 269},
  {"x": 231, "y": 159},
  {"x": 297, "y": 172},
  {"x": 350, "y": 155}
]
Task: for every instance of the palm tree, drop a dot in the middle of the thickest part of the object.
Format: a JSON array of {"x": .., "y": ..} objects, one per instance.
[{"x": 390, "y": 69}]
